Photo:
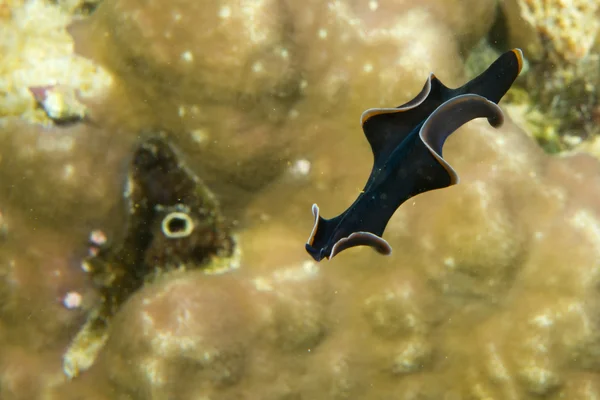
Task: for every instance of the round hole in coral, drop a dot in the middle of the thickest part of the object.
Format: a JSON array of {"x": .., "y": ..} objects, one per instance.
[{"x": 177, "y": 225}]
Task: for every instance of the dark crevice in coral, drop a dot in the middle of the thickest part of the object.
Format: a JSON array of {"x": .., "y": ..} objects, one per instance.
[
  {"x": 159, "y": 189},
  {"x": 159, "y": 184}
]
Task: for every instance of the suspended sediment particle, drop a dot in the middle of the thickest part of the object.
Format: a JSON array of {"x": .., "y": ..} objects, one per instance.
[{"x": 174, "y": 224}]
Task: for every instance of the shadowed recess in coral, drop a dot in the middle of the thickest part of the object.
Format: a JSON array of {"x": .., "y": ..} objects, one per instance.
[{"x": 174, "y": 223}]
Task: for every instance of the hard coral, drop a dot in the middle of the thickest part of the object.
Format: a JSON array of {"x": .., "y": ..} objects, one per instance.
[
  {"x": 37, "y": 270},
  {"x": 173, "y": 223},
  {"x": 248, "y": 84},
  {"x": 558, "y": 29},
  {"x": 491, "y": 292},
  {"x": 559, "y": 38},
  {"x": 37, "y": 51}
]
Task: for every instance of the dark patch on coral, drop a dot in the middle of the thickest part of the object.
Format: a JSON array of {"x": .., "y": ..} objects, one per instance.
[{"x": 174, "y": 222}]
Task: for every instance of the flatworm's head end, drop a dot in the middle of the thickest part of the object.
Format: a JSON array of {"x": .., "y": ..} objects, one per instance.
[{"x": 519, "y": 54}]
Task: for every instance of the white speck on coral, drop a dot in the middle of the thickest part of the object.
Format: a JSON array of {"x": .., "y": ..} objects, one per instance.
[
  {"x": 300, "y": 167},
  {"x": 128, "y": 187},
  {"x": 262, "y": 285},
  {"x": 252, "y": 12},
  {"x": 303, "y": 84},
  {"x": 542, "y": 320},
  {"x": 258, "y": 67},
  {"x": 264, "y": 217},
  {"x": 187, "y": 56},
  {"x": 199, "y": 136},
  {"x": 68, "y": 171},
  {"x": 406, "y": 291},
  {"x": 449, "y": 262},
  {"x": 184, "y": 316},
  {"x": 368, "y": 67},
  {"x": 497, "y": 368},
  {"x": 307, "y": 270},
  {"x": 72, "y": 300},
  {"x": 176, "y": 16},
  {"x": 588, "y": 223},
  {"x": 538, "y": 235},
  {"x": 310, "y": 267},
  {"x": 285, "y": 53},
  {"x": 181, "y": 111},
  {"x": 293, "y": 114},
  {"x": 97, "y": 237},
  {"x": 152, "y": 367},
  {"x": 539, "y": 380},
  {"x": 572, "y": 140},
  {"x": 225, "y": 12},
  {"x": 373, "y": 5},
  {"x": 147, "y": 320},
  {"x": 85, "y": 266},
  {"x": 322, "y": 33}
]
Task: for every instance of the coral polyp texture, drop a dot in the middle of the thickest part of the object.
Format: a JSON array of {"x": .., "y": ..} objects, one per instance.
[
  {"x": 37, "y": 52},
  {"x": 562, "y": 41},
  {"x": 491, "y": 291},
  {"x": 561, "y": 29}
]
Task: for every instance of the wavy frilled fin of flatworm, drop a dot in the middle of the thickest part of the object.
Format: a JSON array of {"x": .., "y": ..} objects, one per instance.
[
  {"x": 386, "y": 128},
  {"x": 452, "y": 115},
  {"x": 362, "y": 239}
]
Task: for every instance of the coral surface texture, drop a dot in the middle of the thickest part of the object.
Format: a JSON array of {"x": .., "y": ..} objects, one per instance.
[{"x": 159, "y": 160}]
